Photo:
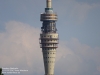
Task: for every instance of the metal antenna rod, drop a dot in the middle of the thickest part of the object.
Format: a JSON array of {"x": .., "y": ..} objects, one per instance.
[{"x": 49, "y": 3}]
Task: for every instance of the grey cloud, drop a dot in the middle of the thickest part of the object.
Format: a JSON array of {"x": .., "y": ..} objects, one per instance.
[
  {"x": 83, "y": 59},
  {"x": 20, "y": 47},
  {"x": 72, "y": 11}
]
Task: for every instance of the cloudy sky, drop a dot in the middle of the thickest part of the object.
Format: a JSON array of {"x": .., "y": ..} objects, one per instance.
[{"x": 79, "y": 32}]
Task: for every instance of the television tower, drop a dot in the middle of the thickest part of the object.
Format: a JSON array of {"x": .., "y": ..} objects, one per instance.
[{"x": 49, "y": 38}]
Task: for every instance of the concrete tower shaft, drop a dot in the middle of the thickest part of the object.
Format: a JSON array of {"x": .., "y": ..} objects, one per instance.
[{"x": 49, "y": 38}]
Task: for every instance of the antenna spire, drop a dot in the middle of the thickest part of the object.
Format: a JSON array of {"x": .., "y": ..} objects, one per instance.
[{"x": 49, "y": 3}]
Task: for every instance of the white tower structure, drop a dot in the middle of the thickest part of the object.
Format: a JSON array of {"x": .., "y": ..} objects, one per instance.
[{"x": 49, "y": 38}]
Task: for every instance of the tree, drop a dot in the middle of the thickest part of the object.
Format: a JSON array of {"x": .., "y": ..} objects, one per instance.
[{"x": 1, "y": 71}]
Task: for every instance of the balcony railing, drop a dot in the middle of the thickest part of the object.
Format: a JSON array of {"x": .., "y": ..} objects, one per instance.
[
  {"x": 41, "y": 45},
  {"x": 56, "y": 42}
]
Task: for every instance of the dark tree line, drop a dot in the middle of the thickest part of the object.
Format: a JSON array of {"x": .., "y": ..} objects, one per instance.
[{"x": 1, "y": 71}]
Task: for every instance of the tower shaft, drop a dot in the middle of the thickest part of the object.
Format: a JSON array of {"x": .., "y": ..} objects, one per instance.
[{"x": 49, "y": 38}]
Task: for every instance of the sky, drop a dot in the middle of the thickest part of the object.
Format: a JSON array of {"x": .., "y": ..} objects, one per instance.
[{"x": 78, "y": 26}]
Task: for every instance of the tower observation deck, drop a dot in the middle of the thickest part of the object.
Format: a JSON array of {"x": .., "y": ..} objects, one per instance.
[{"x": 49, "y": 38}]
